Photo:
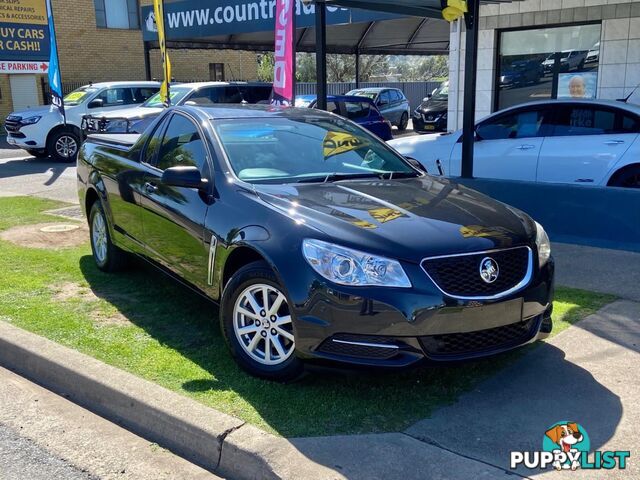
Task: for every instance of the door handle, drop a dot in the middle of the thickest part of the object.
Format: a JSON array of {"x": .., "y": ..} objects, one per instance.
[
  {"x": 614, "y": 142},
  {"x": 526, "y": 147},
  {"x": 150, "y": 188}
]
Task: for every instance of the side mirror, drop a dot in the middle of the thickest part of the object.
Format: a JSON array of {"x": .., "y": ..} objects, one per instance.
[
  {"x": 428, "y": 97},
  {"x": 416, "y": 164},
  {"x": 96, "y": 103},
  {"x": 187, "y": 177}
]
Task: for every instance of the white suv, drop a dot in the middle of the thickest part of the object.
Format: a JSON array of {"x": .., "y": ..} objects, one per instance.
[{"x": 41, "y": 130}]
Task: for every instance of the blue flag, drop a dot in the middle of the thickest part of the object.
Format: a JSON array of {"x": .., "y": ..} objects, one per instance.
[{"x": 55, "y": 79}]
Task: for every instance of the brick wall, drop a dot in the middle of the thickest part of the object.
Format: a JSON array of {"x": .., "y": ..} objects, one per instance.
[
  {"x": 5, "y": 98},
  {"x": 619, "y": 66},
  {"x": 194, "y": 64}
]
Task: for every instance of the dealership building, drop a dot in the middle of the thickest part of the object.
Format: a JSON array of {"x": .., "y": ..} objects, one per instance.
[{"x": 535, "y": 49}]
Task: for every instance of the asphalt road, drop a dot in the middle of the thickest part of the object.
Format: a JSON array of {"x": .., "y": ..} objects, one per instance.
[{"x": 21, "y": 459}]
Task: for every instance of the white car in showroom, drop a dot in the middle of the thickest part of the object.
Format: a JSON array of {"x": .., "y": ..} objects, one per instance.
[
  {"x": 41, "y": 130},
  {"x": 581, "y": 142}
]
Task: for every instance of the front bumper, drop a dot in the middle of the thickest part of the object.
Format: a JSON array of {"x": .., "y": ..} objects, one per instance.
[
  {"x": 402, "y": 327},
  {"x": 422, "y": 123},
  {"x": 20, "y": 136}
]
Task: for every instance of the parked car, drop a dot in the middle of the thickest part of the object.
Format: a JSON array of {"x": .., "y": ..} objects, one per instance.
[
  {"x": 593, "y": 55},
  {"x": 135, "y": 120},
  {"x": 581, "y": 142},
  {"x": 521, "y": 73},
  {"x": 569, "y": 60},
  {"x": 320, "y": 242},
  {"x": 361, "y": 110},
  {"x": 391, "y": 102},
  {"x": 42, "y": 132},
  {"x": 431, "y": 115}
]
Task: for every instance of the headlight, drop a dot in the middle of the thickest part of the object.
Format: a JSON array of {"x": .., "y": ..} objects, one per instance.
[
  {"x": 30, "y": 120},
  {"x": 350, "y": 267},
  {"x": 544, "y": 245}
]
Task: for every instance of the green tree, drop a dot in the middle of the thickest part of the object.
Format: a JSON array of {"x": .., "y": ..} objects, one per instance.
[{"x": 265, "y": 67}]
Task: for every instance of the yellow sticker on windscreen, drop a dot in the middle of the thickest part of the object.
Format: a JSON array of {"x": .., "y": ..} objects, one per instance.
[
  {"x": 74, "y": 96},
  {"x": 335, "y": 143}
]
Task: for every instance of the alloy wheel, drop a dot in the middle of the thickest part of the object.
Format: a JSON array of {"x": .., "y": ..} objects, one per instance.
[
  {"x": 66, "y": 146},
  {"x": 262, "y": 324},
  {"x": 99, "y": 237}
]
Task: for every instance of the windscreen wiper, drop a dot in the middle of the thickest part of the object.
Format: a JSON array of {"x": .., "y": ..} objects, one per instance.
[{"x": 334, "y": 177}]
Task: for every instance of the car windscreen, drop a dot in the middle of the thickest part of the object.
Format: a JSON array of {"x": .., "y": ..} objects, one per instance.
[
  {"x": 79, "y": 95},
  {"x": 364, "y": 93},
  {"x": 175, "y": 93},
  {"x": 442, "y": 93},
  {"x": 309, "y": 149}
]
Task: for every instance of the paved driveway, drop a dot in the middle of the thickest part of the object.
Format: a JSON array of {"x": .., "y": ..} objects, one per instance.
[{"x": 21, "y": 174}]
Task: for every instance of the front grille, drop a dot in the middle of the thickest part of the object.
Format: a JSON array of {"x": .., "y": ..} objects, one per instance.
[
  {"x": 362, "y": 348},
  {"x": 479, "y": 341},
  {"x": 12, "y": 124},
  {"x": 459, "y": 276}
]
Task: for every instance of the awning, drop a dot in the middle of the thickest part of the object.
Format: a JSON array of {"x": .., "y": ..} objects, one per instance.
[{"x": 235, "y": 24}]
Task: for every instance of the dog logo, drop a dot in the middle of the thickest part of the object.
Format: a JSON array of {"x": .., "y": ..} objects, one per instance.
[
  {"x": 489, "y": 270},
  {"x": 570, "y": 439},
  {"x": 566, "y": 446},
  {"x": 150, "y": 22}
]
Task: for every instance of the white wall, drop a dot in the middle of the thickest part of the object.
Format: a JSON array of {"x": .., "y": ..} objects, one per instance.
[{"x": 619, "y": 71}]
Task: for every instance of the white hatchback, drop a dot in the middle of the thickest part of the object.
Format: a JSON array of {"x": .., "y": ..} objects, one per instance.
[{"x": 582, "y": 142}]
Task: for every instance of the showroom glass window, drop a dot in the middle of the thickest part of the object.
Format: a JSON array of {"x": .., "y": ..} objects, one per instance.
[
  {"x": 544, "y": 63},
  {"x": 117, "y": 14}
]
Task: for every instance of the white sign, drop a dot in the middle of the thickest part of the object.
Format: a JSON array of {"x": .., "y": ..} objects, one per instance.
[{"x": 24, "y": 67}]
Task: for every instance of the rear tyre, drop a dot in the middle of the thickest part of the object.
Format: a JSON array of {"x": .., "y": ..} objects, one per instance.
[
  {"x": 63, "y": 146},
  {"x": 627, "y": 178},
  {"x": 257, "y": 324},
  {"x": 38, "y": 153},
  {"x": 404, "y": 121},
  {"x": 107, "y": 256}
]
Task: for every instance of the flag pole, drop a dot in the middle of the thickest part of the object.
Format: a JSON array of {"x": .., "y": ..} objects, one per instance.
[{"x": 55, "y": 77}]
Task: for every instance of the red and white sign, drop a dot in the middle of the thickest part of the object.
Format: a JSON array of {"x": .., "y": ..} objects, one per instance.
[
  {"x": 24, "y": 67},
  {"x": 284, "y": 55}
]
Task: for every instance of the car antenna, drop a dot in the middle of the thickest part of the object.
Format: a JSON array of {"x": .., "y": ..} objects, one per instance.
[{"x": 626, "y": 99}]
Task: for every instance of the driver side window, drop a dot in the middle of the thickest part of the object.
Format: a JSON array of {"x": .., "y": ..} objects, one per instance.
[
  {"x": 182, "y": 145},
  {"x": 523, "y": 124}
]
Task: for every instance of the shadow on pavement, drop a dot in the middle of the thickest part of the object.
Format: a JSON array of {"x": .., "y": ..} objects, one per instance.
[{"x": 32, "y": 166}]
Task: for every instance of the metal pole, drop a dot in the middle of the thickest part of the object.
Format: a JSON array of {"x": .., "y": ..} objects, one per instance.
[
  {"x": 470, "y": 69},
  {"x": 147, "y": 61},
  {"x": 357, "y": 68},
  {"x": 321, "y": 55}
]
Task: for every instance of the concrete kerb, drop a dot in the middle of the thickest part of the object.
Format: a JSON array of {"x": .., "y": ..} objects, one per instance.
[{"x": 184, "y": 426}]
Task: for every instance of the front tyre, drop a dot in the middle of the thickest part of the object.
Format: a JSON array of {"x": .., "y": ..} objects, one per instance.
[
  {"x": 257, "y": 324},
  {"x": 404, "y": 121},
  {"x": 63, "y": 146},
  {"x": 107, "y": 256}
]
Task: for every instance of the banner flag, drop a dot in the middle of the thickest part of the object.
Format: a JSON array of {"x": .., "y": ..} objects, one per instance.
[
  {"x": 158, "y": 9},
  {"x": 55, "y": 79},
  {"x": 285, "y": 55}
]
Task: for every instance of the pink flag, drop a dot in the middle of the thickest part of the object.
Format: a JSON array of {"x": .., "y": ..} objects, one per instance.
[{"x": 285, "y": 54}]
